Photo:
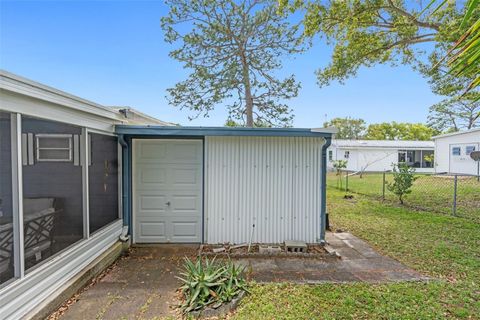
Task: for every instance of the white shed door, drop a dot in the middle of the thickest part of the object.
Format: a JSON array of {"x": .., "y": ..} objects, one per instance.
[
  {"x": 460, "y": 160},
  {"x": 167, "y": 181}
]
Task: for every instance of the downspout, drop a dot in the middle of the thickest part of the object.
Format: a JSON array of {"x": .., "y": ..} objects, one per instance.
[
  {"x": 124, "y": 237},
  {"x": 323, "y": 187}
]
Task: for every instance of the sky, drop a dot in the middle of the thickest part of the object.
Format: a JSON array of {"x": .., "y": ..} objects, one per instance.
[{"x": 113, "y": 53}]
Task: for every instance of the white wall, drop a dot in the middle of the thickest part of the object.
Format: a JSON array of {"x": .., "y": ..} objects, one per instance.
[
  {"x": 463, "y": 164},
  {"x": 366, "y": 159},
  {"x": 272, "y": 182}
]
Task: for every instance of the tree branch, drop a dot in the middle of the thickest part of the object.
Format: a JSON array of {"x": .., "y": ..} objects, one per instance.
[{"x": 412, "y": 18}]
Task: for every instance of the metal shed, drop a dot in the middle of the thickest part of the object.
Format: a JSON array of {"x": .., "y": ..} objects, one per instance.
[{"x": 211, "y": 185}]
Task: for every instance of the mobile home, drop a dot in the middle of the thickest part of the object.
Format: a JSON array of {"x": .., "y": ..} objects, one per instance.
[{"x": 380, "y": 155}]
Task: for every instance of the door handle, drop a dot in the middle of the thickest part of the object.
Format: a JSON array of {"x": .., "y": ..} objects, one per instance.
[{"x": 167, "y": 203}]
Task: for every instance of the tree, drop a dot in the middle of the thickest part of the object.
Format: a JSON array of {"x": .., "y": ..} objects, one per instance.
[
  {"x": 233, "y": 49},
  {"x": 400, "y": 131},
  {"x": 348, "y": 128},
  {"x": 339, "y": 165},
  {"x": 369, "y": 32},
  {"x": 257, "y": 124},
  {"x": 454, "y": 114},
  {"x": 403, "y": 179},
  {"x": 459, "y": 110},
  {"x": 463, "y": 58}
]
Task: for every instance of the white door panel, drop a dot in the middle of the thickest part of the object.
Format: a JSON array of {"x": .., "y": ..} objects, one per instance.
[{"x": 168, "y": 184}]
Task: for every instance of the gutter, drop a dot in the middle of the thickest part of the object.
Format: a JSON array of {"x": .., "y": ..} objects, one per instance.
[
  {"x": 323, "y": 195},
  {"x": 124, "y": 237}
]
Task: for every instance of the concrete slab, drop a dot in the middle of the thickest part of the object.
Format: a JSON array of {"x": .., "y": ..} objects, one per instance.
[
  {"x": 344, "y": 235},
  {"x": 359, "y": 262},
  {"x": 143, "y": 284}
]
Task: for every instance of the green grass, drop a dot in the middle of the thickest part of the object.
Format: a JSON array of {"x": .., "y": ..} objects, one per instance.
[
  {"x": 429, "y": 192},
  {"x": 443, "y": 247}
]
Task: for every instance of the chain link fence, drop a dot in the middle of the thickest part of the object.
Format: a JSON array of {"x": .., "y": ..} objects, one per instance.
[{"x": 457, "y": 195}]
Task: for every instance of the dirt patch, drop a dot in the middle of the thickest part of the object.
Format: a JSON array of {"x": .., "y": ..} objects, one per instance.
[{"x": 315, "y": 251}]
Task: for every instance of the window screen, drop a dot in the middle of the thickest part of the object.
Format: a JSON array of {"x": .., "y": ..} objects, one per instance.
[
  {"x": 6, "y": 214},
  {"x": 103, "y": 181},
  {"x": 52, "y": 191}
]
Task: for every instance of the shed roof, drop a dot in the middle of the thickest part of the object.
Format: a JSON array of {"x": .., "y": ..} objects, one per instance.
[
  {"x": 402, "y": 144},
  {"x": 220, "y": 131},
  {"x": 456, "y": 133}
]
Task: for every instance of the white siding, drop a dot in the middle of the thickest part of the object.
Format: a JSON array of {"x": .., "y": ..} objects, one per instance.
[
  {"x": 272, "y": 182},
  {"x": 444, "y": 161},
  {"x": 369, "y": 159}
]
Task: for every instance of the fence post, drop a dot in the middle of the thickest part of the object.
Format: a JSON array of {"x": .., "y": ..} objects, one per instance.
[
  {"x": 346, "y": 182},
  {"x": 454, "y": 209},
  {"x": 383, "y": 187}
]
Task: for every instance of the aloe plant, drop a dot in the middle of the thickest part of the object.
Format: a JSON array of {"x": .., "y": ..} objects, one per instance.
[{"x": 207, "y": 282}]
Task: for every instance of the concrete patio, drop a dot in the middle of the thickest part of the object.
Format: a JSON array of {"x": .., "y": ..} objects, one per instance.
[
  {"x": 142, "y": 285},
  {"x": 358, "y": 263}
]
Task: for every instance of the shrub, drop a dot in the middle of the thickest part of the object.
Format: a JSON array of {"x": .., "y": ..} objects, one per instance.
[
  {"x": 403, "y": 178},
  {"x": 207, "y": 282},
  {"x": 339, "y": 165}
]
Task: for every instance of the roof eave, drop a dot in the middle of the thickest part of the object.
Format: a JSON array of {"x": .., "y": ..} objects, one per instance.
[
  {"x": 20, "y": 85},
  {"x": 456, "y": 133},
  {"x": 217, "y": 131}
]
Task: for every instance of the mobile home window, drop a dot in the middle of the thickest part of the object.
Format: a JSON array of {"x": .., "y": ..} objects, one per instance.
[
  {"x": 469, "y": 150},
  {"x": 456, "y": 151},
  {"x": 330, "y": 155},
  {"x": 347, "y": 154},
  {"x": 54, "y": 147}
]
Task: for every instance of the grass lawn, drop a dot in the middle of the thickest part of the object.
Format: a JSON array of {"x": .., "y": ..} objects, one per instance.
[
  {"x": 429, "y": 192},
  {"x": 443, "y": 247}
]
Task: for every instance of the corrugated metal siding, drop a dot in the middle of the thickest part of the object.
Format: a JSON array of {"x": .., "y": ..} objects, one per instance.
[{"x": 272, "y": 182}]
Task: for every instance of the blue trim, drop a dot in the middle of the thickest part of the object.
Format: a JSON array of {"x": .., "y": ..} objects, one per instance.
[
  {"x": 217, "y": 131},
  {"x": 203, "y": 190},
  {"x": 323, "y": 207},
  {"x": 130, "y": 186}
]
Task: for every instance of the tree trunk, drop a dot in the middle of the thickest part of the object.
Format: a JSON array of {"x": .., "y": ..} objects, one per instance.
[
  {"x": 249, "y": 105},
  {"x": 248, "y": 91}
]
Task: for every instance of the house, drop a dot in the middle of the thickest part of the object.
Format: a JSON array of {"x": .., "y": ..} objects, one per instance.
[
  {"x": 380, "y": 155},
  {"x": 452, "y": 152},
  {"x": 81, "y": 181}
]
